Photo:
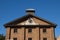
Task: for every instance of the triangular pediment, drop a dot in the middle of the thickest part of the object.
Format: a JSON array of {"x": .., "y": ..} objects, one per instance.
[{"x": 30, "y": 20}]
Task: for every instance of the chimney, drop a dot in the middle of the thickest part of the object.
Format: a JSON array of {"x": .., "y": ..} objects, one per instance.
[{"x": 30, "y": 11}]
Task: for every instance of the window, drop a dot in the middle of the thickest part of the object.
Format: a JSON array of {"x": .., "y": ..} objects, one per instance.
[
  {"x": 29, "y": 38},
  {"x": 14, "y": 38},
  {"x": 15, "y": 30},
  {"x": 44, "y": 38},
  {"x": 29, "y": 30},
  {"x": 44, "y": 29}
]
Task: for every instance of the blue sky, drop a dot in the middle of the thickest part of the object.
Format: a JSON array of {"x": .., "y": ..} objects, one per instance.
[{"x": 12, "y": 9}]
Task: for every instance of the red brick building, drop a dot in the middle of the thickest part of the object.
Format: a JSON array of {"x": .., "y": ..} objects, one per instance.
[{"x": 30, "y": 27}]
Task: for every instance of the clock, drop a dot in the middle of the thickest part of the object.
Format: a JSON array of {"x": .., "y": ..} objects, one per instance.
[{"x": 30, "y": 20}]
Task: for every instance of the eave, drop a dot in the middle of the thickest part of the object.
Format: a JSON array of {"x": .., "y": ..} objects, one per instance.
[{"x": 19, "y": 26}]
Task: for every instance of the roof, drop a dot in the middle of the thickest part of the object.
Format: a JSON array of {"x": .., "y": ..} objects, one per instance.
[{"x": 12, "y": 23}]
